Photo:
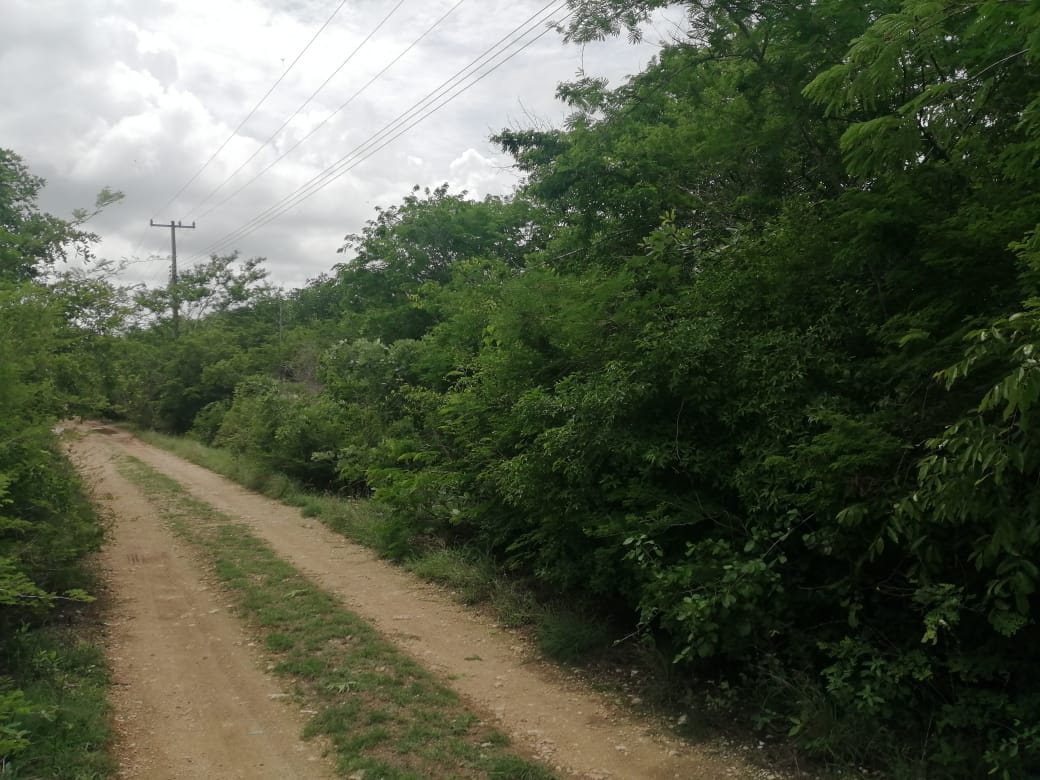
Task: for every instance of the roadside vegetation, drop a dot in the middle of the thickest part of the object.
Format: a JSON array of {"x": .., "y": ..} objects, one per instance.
[
  {"x": 576, "y": 637},
  {"x": 384, "y": 715},
  {"x": 472, "y": 577},
  {"x": 745, "y": 369},
  {"x": 53, "y": 714}
]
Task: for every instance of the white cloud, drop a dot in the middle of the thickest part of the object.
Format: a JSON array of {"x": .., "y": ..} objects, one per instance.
[
  {"x": 137, "y": 94},
  {"x": 478, "y": 175}
]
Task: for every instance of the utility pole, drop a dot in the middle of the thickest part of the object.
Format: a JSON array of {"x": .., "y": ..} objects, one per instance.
[{"x": 173, "y": 226}]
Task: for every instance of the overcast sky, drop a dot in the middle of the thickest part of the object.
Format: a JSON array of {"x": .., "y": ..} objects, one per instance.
[{"x": 138, "y": 94}]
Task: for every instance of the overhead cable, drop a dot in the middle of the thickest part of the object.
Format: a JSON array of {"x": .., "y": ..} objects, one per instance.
[
  {"x": 296, "y": 113},
  {"x": 349, "y": 100},
  {"x": 253, "y": 110},
  {"x": 400, "y": 125}
]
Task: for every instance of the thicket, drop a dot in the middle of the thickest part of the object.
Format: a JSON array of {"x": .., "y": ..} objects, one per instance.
[
  {"x": 749, "y": 362},
  {"x": 53, "y": 350}
]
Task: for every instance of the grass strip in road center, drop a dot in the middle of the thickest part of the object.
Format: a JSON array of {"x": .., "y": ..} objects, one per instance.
[{"x": 385, "y": 715}]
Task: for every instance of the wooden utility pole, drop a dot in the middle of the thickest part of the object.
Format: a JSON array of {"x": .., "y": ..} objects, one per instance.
[{"x": 173, "y": 226}]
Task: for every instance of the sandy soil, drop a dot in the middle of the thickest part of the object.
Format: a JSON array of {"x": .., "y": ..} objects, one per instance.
[
  {"x": 189, "y": 696},
  {"x": 192, "y": 703}
]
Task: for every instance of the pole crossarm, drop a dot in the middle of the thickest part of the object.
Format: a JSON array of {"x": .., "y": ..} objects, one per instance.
[{"x": 176, "y": 304}]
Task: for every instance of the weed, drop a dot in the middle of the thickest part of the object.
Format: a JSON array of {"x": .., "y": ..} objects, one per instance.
[
  {"x": 572, "y": 636},
  {"x": 63, "y": 680},
  {"x": 507, "y": 768},
  {"x": 513, "y": 604},
  {"x": 472, "y": 578}
]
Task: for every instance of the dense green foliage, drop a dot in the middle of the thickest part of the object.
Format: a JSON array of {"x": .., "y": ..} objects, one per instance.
[
  {"x": 55, "y": 345},
  {"x": 749, "y": 362}
]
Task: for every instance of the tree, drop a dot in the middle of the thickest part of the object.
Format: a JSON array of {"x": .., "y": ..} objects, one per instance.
[
  {"x": 417, "y": 243},
  {"x": 217, "y": 285},
  {"x": 45, "y": 524}
]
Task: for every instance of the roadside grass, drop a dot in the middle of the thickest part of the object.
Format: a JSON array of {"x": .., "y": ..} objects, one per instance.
[
  {"x": 474, "y": 579},
  {"x": 61, "y": 672},
  {"x": 570, "y": 636},
  {"x": 357, "y": 519},
  {"x": 384, "y": 715},
  {"x": 469, "y": 576}
]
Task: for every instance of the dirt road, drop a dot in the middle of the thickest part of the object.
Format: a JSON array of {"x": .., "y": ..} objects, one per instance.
[
  {"x": 189, "y": 696},
  {"x": 192, "y": 702}
]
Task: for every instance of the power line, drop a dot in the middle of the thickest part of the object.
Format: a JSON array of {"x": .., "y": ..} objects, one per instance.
[
  {"x": 252, "y": 111},
  {"x": 365, "y": 150},
  {"x": 296, "y": 113},
  {"x": 393, "y": 130},
  {"x": 139, "y": 242},
  {"x": 349, "y": 100}
]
